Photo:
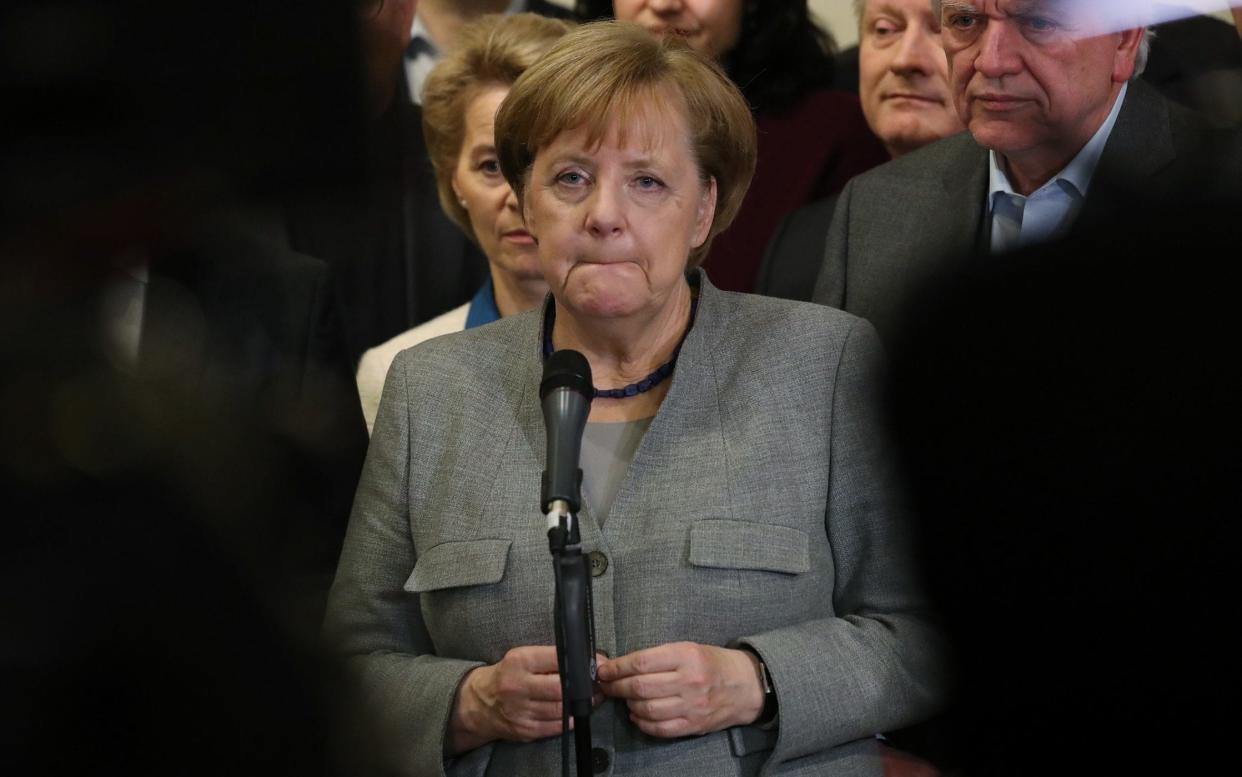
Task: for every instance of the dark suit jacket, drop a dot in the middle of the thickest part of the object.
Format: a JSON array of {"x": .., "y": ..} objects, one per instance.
[
  {"x": 923, "y": 215},
  {"x": 791, "y": 263},
  {"x": 253, "y": 327}
]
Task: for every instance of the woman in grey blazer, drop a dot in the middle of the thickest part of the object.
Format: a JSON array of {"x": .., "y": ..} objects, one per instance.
[{"x": 752, "y": 590}]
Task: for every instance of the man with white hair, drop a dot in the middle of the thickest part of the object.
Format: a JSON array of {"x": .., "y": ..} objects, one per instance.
[
  {"x": 902, "y": 80},
  {"x": 1058, "y": 126}
]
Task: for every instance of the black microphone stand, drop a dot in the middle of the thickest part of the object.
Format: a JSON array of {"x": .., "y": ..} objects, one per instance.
[
  {"x": 565, "y": 394},
  {"x": 575, "y": 637}
]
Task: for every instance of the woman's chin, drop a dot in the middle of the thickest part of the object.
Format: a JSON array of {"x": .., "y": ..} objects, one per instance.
[{"x": 602, "y": 303}]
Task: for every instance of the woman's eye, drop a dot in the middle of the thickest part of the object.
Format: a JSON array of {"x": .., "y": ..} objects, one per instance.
[
  {"x": 490, "y": 167},
  {"x": 649, "y": 182},
  {"x": 571, "y": 178}
]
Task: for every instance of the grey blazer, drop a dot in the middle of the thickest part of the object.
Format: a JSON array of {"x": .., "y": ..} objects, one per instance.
[
  {"x": 758, "y": 510},
  {"x": 922, "y": 216}
]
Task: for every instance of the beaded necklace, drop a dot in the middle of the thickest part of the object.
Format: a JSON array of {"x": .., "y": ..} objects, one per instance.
[{"x": 646, "y": 384}]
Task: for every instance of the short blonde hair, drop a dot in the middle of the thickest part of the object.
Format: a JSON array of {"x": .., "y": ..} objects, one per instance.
[
  {"x": 606, "y": 70},
  {"x": 493, "y": 50}
]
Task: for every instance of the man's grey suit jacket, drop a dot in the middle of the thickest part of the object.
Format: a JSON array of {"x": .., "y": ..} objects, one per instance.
[
  {"x": 758, "y": 510},
  {"x": 922, "y": 216}
]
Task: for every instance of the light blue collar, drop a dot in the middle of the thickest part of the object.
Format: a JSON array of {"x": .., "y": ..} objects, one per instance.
[
  {"x": 1077, "y": 174},
  {"x": 483, "y": 309},
  {"x": 420, "y": 39}
]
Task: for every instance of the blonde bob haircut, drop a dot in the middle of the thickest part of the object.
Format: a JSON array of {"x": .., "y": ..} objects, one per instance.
[
  {"x": 490, "y": 51},
  {"x": 605, "y": 72}
]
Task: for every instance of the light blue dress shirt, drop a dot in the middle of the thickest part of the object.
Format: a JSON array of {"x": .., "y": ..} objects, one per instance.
[
  {"x": 1046, "y": 214},
  {"x": 422, "y": 54}
]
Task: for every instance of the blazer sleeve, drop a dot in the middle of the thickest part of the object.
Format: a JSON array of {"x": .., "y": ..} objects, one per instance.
[
  {"x": 879, "y": 664},
  {"x": 372, "y": 620},
  {"x": 830, "y": 285}
]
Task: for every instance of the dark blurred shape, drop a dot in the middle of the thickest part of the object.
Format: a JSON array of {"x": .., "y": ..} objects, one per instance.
[
  {"x": 398, "y": 260},
  {"x": 1069, "y": 420},
  {"x": 1198, "y": 62},
  {"x": 145, "y": 627},
  {"x": 175, "y": 494},
  {"x": 116, "y": 100},
  {"x": 256, "y": 329}
]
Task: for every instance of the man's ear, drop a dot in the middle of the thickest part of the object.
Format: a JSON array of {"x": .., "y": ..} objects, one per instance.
[
  {"x": 1125, "y": 58},
  {"x": 706, "y": 214}
]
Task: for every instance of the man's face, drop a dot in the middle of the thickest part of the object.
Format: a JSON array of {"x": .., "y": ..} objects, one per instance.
[
  {"x": 904, "y": 76},
  {"x": 1025, "y": 77}
]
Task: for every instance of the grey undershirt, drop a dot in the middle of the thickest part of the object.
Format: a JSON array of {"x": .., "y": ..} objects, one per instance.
[{"x": 607, "y": 450}]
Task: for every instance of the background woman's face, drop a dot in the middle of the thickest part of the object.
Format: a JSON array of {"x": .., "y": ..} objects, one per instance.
[
  {"x": 711, "y": 27},
  {"x": 485, "y": 194},
  {"x": 617, "y": 219}
]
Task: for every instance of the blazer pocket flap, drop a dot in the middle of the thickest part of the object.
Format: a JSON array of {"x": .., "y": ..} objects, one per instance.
[
  {"x": 745, "y": 740},
  {"x": 746, "y": 545},
  {"x": 458, "y": 564}
]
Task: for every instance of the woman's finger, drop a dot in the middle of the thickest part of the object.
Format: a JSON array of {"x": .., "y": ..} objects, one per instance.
[
  {"x": 658, "y": 709},
  {"x": 645, "y": 686},
  {"x": 542, "y": 687},
  {"x": 664, "y": 729}
]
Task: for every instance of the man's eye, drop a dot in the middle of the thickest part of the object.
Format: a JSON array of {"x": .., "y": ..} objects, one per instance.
[
  {"x": 963, "y": 22},
  {"x": 884, "y": 29},
  {"x": 1041, "y": 24}
]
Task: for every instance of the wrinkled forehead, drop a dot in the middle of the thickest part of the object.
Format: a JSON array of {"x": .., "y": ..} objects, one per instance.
[
  {"x": 1003, "y": 8},
  {"x": 1085, "y": 17}
]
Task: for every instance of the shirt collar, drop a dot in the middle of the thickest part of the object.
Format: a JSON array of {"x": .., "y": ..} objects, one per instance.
[
  {"x": 483, "y": 308},
  {"x": 420, "y": 39},
  {"x": 1076, "y": 175}
]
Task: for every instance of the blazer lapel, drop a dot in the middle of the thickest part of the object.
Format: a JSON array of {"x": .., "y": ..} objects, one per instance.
[
  {"x": 686, "y": 439},
  {"x": 965, "y": 190},
  {"x": 1140, "y": 146}
]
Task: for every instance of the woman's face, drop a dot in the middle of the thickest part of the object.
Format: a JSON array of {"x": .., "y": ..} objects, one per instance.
[
  {"x": 711, "y": 27},
  {"x": 487, "y": 198},
  {"x": 617, "y": 219}
]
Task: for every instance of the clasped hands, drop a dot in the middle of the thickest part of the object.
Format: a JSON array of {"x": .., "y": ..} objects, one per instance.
[{"x": 673, "y": 690}]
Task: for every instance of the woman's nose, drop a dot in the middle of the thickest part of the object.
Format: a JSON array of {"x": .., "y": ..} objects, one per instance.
[{"x": 604, "y": 215}]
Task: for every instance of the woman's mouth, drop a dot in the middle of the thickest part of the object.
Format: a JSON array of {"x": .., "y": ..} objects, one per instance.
[{"x": 519, "y": 236}]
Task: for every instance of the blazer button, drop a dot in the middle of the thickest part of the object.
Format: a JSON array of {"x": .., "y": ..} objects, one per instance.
[
  {"x": 599, "y": 563},
  {"x": 599, "y": 760}
]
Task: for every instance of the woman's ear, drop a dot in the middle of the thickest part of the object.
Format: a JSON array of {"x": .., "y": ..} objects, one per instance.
[
  {"x": 706, "y": 214},
  {"x": 527, "y": 219}
]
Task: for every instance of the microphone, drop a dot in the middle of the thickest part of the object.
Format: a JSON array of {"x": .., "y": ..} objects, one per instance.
[{"x": 566, "y": 394}]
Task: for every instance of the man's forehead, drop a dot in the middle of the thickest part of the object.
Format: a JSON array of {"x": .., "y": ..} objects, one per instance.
[
  {"x": 894, "y": 6},
  {"x": 1011, "y": 7}
]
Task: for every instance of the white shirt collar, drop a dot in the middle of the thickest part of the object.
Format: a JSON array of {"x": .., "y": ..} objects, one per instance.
[
  {"x": 1077, "y": 174},
  {"x": 420, "y": 38}
]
